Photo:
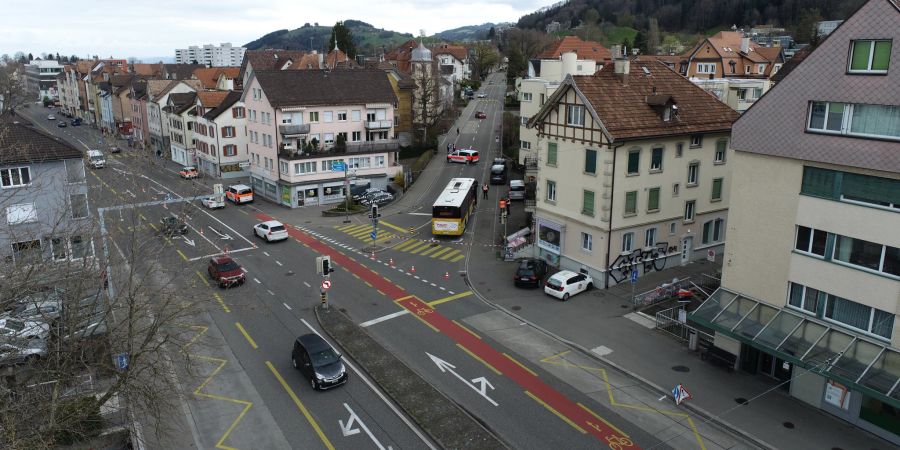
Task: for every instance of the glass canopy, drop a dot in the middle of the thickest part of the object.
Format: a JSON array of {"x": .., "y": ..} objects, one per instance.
[{"x": 809, "y": 342}]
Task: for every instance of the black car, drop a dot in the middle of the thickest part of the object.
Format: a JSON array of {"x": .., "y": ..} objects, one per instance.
[
  {"x": 498, "y": 174},
  {"x": 531, "y": 272},
  {"x": 171, "y": 226},
  {"x": 315, "y": 358}
]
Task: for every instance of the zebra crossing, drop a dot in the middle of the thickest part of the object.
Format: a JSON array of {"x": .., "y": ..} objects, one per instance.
[{"x": 421, "y": 247}]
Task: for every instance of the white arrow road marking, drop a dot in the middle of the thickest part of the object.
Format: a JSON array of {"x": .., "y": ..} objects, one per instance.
[
  {"x": 123, "y": 172},
  {"x": 130, "y": 193},
  {"x": 349, "y": 430},
  {"x": 187, "y": 241},
  {"x": 223, "y": 236},
  {"x": 447, "y": 367}
]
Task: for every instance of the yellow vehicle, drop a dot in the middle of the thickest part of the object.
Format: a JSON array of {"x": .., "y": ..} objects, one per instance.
[{"x": 452, "y": 209}]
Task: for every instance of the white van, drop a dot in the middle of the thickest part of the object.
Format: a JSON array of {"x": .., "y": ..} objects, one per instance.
[{"x": 96, "y": 159}]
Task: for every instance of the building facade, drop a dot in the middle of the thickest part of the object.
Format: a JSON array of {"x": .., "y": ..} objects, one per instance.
[
  {"x": 43, "y": 197},
  {"x": 221, "y": 134},
  {"x": 632, "y": 172},
  {"x": 40, "y": 79},
  {"x": 211, "y": 55},
  {"x": 811, "y": 277},
  {"x": 300, "y": 123},
  {"x": 179, "y": 115}
]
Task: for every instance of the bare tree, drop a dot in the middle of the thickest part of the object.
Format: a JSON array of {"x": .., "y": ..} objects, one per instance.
[
  {"x": 12, "y": 85},
  {"x": 427, "y": 99},
  {"x": 120, "y": 292},
  {"x": 484, "y": 57}
]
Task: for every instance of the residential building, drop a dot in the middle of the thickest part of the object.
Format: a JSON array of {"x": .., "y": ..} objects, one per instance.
[
  {"x": 278, "y": 60},
  {"x": 544, "y": 76},
  {"x": 179, "y": 115},
  {"x": 432, "y": 94},
  {"x": 43, "y": 197},
  {"x": 67, "y": 85},
  {"x": 211, "y": 55},
  {"x": 301, "y": 122},
  {"x": 217, "y": 78},
  {"x": 221, "y": 133},
  {"x": 137, "y": 109},
  {"x": 811, "y": 278},
  {"x": 586, "y": 50},
  {"x": 454, "y": 61},
  {"x": 633, "y": 172},
  {"x": 825, "y": 27},
  {"x": 738, "y": 93},
  {"x": 158, "y": 92},
  {"x": 40, "y": 79}
]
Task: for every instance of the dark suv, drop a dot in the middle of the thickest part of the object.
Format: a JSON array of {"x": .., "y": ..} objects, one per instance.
[
  {"x": 319, "y": 362},
  {"x": 531, "y": 273},
  {"x": 225, "y": 271}
]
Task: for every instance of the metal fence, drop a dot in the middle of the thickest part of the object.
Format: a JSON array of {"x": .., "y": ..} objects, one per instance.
[
  {"x": 673, "y": 322},
  {"x": 663, "y": 292}
]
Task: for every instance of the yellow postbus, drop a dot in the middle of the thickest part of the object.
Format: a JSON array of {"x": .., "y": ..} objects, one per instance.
[{"x": 452, "y": 209}]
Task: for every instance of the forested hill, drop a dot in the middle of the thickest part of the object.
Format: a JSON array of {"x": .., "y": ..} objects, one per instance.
[{"x": 693, "y": 16}]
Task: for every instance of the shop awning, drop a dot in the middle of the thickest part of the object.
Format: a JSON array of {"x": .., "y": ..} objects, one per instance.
[{"x": 831, "y": 351}]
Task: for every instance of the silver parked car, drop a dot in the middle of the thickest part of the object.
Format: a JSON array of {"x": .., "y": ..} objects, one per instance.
[{"x": 14, "y": 351}]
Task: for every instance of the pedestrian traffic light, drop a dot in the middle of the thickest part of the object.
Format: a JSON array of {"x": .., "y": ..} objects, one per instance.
[
  {"x": 323, "y": 265},
  {"x": 374, "y": 211}
]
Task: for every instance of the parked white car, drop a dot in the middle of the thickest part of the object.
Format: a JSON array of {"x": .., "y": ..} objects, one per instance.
[
  {"x": 24, "y": 328},
  {"x": 271, "y": 230},
  {"x": 565, "y": 283},
  {"x": 213, "y": 202}
]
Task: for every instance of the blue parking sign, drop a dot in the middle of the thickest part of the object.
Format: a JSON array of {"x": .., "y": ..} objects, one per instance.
[
  {"x": 122, "y": 361},
  {"x": 634, "y": 276}
]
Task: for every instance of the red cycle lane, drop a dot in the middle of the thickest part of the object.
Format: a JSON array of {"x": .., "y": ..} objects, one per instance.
[{"x": 577, "y": 416}]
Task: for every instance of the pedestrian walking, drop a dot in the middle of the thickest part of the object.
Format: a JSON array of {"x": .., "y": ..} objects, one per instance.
[
  {"x": 457, "y": 131},
  {"x": 484, "y": 190}
]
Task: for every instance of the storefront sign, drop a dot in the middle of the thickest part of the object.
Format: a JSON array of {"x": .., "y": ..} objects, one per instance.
[
  {"x": 549, "y": 235},
  {"x": 836, "y": 394}
]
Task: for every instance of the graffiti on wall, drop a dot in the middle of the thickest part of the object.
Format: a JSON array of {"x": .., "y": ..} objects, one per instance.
[{"x": 650, "y": 259}]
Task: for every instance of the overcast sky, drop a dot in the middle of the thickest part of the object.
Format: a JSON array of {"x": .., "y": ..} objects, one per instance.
[{"x": 154, "y": 28}]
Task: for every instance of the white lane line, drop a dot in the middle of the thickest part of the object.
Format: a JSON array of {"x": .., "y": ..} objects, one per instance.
[
  {"x": 426, "y": 281},
  {"x": 383, "y": 318},
  {"x": 442, "y": 288},
  {"x": 416, "y": 277},
  {"x": 307, "y": 284},
  {"x": 286, "y": 306},
  {"x": 452, "y": 293},
  {"x": 433, "y": 284},
  {"x": 257, "y": 281},
  {"x": 266, "y": 253},
  {"x": 270, "y": 292},
  {"x": 278, "y": 262}
]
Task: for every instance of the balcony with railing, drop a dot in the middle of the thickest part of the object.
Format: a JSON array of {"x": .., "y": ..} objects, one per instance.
[
  {"x": 290, "y": 152},
  {"x": 289, "y": 130},
  {"x": 379, "y": 124}
]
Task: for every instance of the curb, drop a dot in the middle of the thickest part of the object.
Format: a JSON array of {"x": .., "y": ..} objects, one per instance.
[{"x": 707, "y": 416}]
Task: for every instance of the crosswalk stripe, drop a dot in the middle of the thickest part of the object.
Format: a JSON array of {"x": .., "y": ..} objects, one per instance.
[
  {"x": 431, "y": 250},
  {"x": 443, "y": 250},
  {"x": 449, "y": 255},
  {"x": 457, "y": 258},
  {"x": 346, "y": 227},
  {"x": 355, "y": 228},
  {"x": 407, "y": 244},
  {"x": 419, "y": 249},
  {"x": 421, "y": 245},
  {"x": 360, "y": 233}
]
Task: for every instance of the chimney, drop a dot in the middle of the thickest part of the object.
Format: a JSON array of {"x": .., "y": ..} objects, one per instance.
[
  {"x": 745, "y": 45},
  {"x": 622, "y": 67}
]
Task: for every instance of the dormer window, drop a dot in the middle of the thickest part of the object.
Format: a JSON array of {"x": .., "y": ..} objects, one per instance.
[{"x": 870, "y": 56}]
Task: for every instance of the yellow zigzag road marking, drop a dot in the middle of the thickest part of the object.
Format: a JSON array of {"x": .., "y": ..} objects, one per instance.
[
  {"x": 558, "y": 361},
  {"x": 198, "y": 392}
]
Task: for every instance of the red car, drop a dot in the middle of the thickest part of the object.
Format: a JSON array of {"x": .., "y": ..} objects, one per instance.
[
  {"x": 225, "y": 271},
  {"x": 480, "y": 115}
]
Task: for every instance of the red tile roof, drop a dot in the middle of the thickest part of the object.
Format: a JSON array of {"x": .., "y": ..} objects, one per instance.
[
  {"x": 457, "y": 51},
  {"x": 209, "y": 76},
  {"x": 624, "y": 110},
  {"x": 584, "y": 49},
  {"x": 211, "y": 99}
]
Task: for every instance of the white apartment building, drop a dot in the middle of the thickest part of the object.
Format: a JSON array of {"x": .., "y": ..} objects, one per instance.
[
  {"x": 179, "y": 115},
  {"x": 40, "y": 79},
  {"x": 211, "y": 55},
  {"x": 221, "y": 134},
  {"x": 158, "y": 92}
]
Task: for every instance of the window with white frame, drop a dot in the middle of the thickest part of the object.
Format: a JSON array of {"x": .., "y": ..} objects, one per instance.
[
  {"x": 15, "y": 177},
  {"x": 379, "y": 161},
  {"x": 810, "y": 241},
  {"x": 227, "y": 150},
  {"x": 283, "y": 165},
  {"x": 856, "y": 315},
  {"x": 713, "y": 231},
  {"x": 59, "y": 249},
  {"x": 869, "y": 56},
  {"x": 650, "y": 237},
  {"x": 693, "y": 176},
  {"x": 21, "y": 213},
  {"x": 882, "y": 121},
  {"x": 79, "y": 205},
  {"x": 327, "y": 116},
  {"x": 721, "y": 147},
  {"x": 689, "y": 210},
  {"x": 304, "y": 168},
  {"x": 760, "y": 69},
  {"x": 672, "y": 228},
  {"x": 356, "y": 136},
  {"x": 526, "y": 96},
  {"x": 575, "y": 115},
  {"x": 342, "y": 116},
  {"x": 706, "y": 68},
  {"x": 803, "y": 298},
  {"x": 329, "y": 138},
  {"x": 74, "y": 171},
  {"x": 525, "y": 145},
  {"x": 696, "y": 140},
  {"x": 627, "y": 241},
  {"x": 551, "y": 191},
  {"x": 80, "y": 247},
  {"x": 355, "y": 115},
  {"x": 313, "y": 116},
  {"x": 27, "y": 251},
  {"x": 656, "y": 159},
  {"x": 587, "y": 242}
]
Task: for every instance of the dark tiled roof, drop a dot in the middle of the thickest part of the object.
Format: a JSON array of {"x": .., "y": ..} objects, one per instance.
[
  {"x": 181, "y": 102},
  {"x": 626, "y": 113},
  {"x": 22, "y": 143},
  {"x": 181, "y": 71},
  {"x": 320, "y": 87},
  {"x": 230, "y": 99},
  {"x": 792, "y": 63}
]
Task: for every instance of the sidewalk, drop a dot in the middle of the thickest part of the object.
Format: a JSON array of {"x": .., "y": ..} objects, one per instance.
[{"x": 595, "y": 323}]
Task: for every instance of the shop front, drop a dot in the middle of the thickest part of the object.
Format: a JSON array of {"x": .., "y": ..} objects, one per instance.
[
  {"x": 549, "y": 240},
  {"x": 852, "y": 376}
]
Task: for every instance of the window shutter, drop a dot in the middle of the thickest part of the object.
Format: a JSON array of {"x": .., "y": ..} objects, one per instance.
[
  {"x": 653, "y": 200},
  {"x": 717, "y": 189},
  {"x": 631, "y": 202}
]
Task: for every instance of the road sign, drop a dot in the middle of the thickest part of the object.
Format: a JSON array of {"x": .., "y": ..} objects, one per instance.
[
  {"x": 326, "y": 284},
  {"x": 122, "y": 361},
  {"x": 681, "y": 394},
  {"x": 634, "y": 276},
  {"x": 374, "y": 235},
  {"x": 243, "y": 165},
  {"x": 711, "y": 255},
  {"x": 338, "y": 167}
]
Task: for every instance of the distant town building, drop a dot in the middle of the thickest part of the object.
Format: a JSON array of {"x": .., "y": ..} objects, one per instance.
[
  {"x": 211, "y": 55},
  {"x": 825, "y": 27},
  {"x": 553, "y": 27},
  {"x": 40, "y": 79}
]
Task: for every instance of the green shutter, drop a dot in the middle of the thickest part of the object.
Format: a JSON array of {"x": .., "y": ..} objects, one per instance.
[
  {"x": 551, "y": 153},
  {"x": 861, "y": 51},
  {"x": 590, "y": 161},
  {"x": 818, "y": 182},
  {"x": 874, "y": 189},
  {"x": 653, "y": 199},
  {"x": 631, "y": 202},
  {"x": 882, "y": 55},
  {"x": 587, "y": 205},
  {"x": 717, "y": 189}
]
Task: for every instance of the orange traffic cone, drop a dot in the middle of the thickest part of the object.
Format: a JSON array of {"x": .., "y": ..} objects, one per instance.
[
  {"x": 413, "y": 270},
  {"x": 446, "y": 275},
  {"x": 392, "y": 262},
  {"x": 372, "y": 255}
]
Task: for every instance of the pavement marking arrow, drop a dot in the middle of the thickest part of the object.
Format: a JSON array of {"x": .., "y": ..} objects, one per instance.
[
  {"x": 447, "y": 367},
  {"x": 189, "y": 241},
  {"x": 223, "y": 236},
  {"x": 349, "y": 430}
]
